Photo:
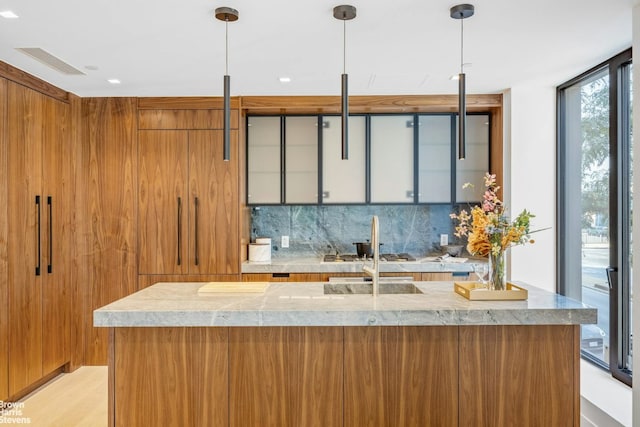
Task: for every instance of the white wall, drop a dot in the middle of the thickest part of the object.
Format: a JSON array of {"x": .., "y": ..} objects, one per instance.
[{"x": 530, "y": 178}]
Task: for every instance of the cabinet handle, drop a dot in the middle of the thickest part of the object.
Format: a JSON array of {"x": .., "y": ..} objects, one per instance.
[
  {"x": 38, "y": 236},
  {"x": 195, "y": 237},
  {"x": 50, "y": 265},
  {"x": 179, "y": 230}
]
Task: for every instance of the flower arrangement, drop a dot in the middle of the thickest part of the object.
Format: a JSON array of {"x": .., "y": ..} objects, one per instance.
[{"x": 490, "y": 232}]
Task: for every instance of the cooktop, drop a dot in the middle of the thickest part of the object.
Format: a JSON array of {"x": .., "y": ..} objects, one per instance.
[{"x": 401, "y": 257}]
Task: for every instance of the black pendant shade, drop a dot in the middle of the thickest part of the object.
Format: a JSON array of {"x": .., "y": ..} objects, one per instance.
[
  {"x": 461, "y": 12},
  {"x": 345, "y": 13},
  {"x": 227, "y": 15}
]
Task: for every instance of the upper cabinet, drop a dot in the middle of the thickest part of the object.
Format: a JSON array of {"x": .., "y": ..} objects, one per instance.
[
  {"x": 344, "y": 181},
  {"x": 264, "y": 160},
  {"x": 392, "y": 154},
  {"x": 188, "y": 202},
  {"x": 476, "y": 162},
  {"x": 393, "y": 158},
  {"x": 301, "y": 160},
  {"x": 434, "y": 159}
]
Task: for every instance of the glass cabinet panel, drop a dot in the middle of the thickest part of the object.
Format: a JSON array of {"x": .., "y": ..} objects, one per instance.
[
  {"x": 343, "y": 181},
  {"x": 301, "y": 160},
  {"x": 434, "y": 164},
  {"x": 392, "y": 159},
  {"x": 476, "y": 162},
  {"x": 263, "y": 160}
]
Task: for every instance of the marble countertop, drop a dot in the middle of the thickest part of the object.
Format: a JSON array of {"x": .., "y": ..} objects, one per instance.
[
  {"x": 304, "y": 304},
  {"x": 316, "y": 265}
]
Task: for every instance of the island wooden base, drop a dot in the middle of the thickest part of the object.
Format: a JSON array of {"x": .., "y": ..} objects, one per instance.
[{"x": 345, "y": 376}]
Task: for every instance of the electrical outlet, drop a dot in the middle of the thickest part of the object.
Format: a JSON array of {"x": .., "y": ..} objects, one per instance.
[
  {"x": 444, "y": 239},
  {"x": 285, "y": 242}
]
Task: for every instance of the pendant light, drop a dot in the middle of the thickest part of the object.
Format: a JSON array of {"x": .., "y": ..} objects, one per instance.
[
  {"x": 345, "y": 13},
  {"x": 227, "y": 15},
  {"x": 461, "y": 12}
]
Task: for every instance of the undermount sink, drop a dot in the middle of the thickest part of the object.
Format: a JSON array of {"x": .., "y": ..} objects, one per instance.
[{"x": 365, "y": 287}]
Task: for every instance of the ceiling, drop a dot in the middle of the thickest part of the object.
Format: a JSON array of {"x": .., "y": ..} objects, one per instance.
[{"x": 176, "y": 47}]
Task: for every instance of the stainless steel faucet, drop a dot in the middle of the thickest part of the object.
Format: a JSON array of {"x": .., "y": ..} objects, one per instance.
[{"x": 374, "y": 271}]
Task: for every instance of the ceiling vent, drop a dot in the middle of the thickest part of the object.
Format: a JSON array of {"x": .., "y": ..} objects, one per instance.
[{"x": 49, "y": 60}]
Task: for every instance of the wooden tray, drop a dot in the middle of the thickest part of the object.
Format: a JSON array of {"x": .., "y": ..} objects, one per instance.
[
  {"x": 475, "y": 291},
  {"x": 233, "y": 287}
]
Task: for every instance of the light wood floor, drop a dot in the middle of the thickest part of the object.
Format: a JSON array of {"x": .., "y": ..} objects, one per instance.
[{"x": 70, "y": 400}]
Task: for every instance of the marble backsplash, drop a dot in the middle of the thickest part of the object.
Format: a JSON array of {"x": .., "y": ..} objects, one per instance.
[{"x": 318, "y": 230}]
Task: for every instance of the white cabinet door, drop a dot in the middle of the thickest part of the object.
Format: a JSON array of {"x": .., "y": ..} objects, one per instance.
[
  {"x": 434, "y": 164},
  {"x": 476, "y": 162},
  {"x": 301, "y": 160},
  {"x": 343, "y": 181},
  {"x": 263, "y": 160},
  {"x": 392, "y": 159}
]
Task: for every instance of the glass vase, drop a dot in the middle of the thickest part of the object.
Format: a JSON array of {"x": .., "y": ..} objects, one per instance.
[{"x": 497, "y": 279}]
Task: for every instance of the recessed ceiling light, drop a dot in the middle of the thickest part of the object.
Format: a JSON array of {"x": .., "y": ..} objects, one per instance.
[
  {"x": 114, "y": 81},
  {"x": 285, "y": 79},
  {"x": 8, "y": 14}
]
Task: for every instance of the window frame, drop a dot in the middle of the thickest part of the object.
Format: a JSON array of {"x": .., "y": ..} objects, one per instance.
[{"x": 619, "y": 205}]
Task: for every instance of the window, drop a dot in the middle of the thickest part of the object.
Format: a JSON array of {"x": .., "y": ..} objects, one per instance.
[{"x": 594, "y": 207}]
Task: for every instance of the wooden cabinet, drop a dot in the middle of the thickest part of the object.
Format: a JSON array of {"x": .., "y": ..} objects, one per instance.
[
  {"x": 281, "y": 277},
  {"x": 285, "y": 376},
  {"x": 106, "y": 205},
  {"x": 200, "y": 355},
  {"x": 401, "y": 376},
  {"x": 490, "y": 375},
  {"x": 4, "y": 291},
  {"x": 520, "y": 375},
  {"x": 187, "y": 203},
  {"x": 39, "y": 295}
]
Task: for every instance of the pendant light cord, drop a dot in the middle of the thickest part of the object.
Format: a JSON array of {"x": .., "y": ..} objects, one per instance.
[
  {"x": 344, "y": 46},
  {"x": 226, "y": 46},
  {"x": 462, "y": 46}
]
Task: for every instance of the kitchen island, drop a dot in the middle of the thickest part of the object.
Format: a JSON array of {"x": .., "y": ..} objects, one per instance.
[{"x": 294, "y": 356}]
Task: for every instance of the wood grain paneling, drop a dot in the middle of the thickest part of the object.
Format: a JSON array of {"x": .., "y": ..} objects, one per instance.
[
  {"x": 191, "y": 363},
  {"x": 184, "y": 119},
  {"x": 79, "y": 290},
  {"x": 26, "y": 79},
  {"x": 286, "y": 376},
  {"x": 185, "y": 103},
  {"x": 400, "y": 376},
  {"x": 366, "y": 104},
  {"x": 109, "y": 204},
  {"x": 214, "y": 223},
  {"x": 4, "y": 265},
  {"x": 281, "y": 277},
  {"x": 146, "y": 280},
  {"x": 315, "y": 376},
  {"x": 163, "y": 202},
  {"x": 258, "y": 377},
  {"x": 497, "y": 143},
  {"x": 518, "y": 375},
  {"x": 25, "y": 127},
  {"x": 438, "y": 277},
  {"x": 56, "y": 236}
]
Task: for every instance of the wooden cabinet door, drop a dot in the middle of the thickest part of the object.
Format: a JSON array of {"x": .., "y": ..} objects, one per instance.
[
  {"x": 285, "y": 376},
  {"x": 401, "y": 376},
  {"x": 4, "y": 291},
  {"x": 163, "y": 202},
  {"x": 56, "y": 239},
  {"x": 213, "y": 204},
  {"x": 25, "y": 131}
]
